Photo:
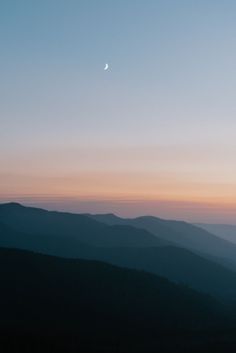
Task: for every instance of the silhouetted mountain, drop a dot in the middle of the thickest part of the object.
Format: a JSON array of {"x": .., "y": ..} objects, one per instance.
[
  {"x": 101, "y": 306},
  {"x": 182, "y": 234},
  {"x": 224, "y": 231},
  {"x": 177, "y": 264},
  {"x": 73, "y": 226},
  {"x": 43, "y": 243}
]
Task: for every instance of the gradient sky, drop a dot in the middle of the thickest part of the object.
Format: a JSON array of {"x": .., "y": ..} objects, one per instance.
[{"x": 155, "y": 134}]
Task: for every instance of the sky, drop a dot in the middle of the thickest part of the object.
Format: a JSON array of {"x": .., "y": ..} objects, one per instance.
[{"x": 154, "y": 134}]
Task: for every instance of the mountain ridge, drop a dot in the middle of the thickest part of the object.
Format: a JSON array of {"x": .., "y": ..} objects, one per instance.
[
  {"x": 63, "y": 305},
  {"x": 178, "y": 264},
  {"x": 181, "y": 234}
]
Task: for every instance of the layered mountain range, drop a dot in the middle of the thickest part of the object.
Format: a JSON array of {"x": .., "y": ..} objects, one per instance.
[{"x": 114, "y": 278}]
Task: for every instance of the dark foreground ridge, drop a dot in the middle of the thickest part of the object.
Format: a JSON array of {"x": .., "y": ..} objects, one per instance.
[{"x": 50, "y": 304}]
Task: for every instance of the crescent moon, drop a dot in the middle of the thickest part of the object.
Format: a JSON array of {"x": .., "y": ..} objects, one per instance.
[{"x": 106, "y": 67}]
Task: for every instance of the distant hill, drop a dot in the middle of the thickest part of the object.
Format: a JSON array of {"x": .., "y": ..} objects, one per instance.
[
  {"x": 181, "y": 234},
  {"x": 101, "y": 305},
  {"x": 50, "y": 233},
  {"x": 73, "y": 227},
  {"x": 176, "y": 264},
  {"x": 224, "y": 231},
  {"x": 43, "y": 243}
]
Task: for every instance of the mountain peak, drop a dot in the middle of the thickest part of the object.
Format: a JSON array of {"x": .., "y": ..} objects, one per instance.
[{"x": 11, "y": 205}]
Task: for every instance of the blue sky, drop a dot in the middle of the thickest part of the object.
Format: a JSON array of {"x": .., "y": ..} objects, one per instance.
[{"x": 165, "y": 109}]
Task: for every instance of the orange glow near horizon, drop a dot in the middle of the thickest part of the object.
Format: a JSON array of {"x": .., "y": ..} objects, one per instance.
[
  {"x": 127, "y": 194},
  {"x": 183, "y": 182}
]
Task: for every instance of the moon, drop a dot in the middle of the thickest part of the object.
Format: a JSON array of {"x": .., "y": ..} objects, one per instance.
[{"x": 106, "y": 67}]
